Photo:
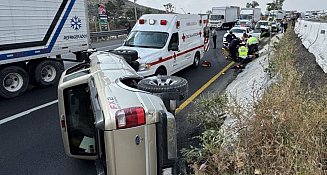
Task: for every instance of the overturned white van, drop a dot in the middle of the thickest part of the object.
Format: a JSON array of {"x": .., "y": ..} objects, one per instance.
[{"x": 166, "y": 43}]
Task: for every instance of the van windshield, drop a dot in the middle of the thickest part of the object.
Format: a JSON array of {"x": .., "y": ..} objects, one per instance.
[
  {"x": 245, "y": 16},
  {"x": 216, "y": 17},
  {"x": 147, "y": 39}
]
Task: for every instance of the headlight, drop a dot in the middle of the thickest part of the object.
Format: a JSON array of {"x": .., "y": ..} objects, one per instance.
[{"x": 144, "y": 67}]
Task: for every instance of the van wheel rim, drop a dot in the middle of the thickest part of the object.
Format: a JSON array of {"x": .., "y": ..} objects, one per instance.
[
  {"x": 196, "y": 61},
  {"x": 48, "y": 73},
  {"x": 160, "y": 82},
  {"x": 13, "y": 82}
]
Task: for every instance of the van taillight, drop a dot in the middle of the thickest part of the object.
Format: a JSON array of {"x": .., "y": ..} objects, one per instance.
[
  {"x": 63, "y": 122},
  {"x": 130, "y": 117},
  {"x": 141, "y": 21},
  {"x": 163, "y": 22}
]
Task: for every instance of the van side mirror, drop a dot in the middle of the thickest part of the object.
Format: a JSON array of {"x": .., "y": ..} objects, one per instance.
[{"x": 173, "y": 47}]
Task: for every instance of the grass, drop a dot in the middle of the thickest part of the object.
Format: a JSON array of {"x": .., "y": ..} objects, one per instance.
[{"x": 285, "y": 133}]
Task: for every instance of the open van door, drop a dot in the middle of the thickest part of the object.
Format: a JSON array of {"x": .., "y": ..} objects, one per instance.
[{"x": 77, "y": 118}]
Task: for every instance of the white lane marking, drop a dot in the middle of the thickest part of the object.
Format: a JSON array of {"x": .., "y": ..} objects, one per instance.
[{"x": 8, "y": 119}]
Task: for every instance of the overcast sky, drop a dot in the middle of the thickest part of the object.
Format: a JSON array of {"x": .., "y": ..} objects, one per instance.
[{"x": 197, "y": 6}]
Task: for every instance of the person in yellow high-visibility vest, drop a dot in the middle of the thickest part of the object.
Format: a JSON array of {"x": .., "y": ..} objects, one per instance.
[
  {"x": 253, "y": 43},
  {"x": 243, "y": 51},
  {"x": 243, "y": 54}
]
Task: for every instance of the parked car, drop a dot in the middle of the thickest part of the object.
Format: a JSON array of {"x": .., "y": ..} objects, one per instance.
[
  {"x": 238, "y": 32},
  {"x": 263, "y": 26},
  {"x": 111, "y": 114}
]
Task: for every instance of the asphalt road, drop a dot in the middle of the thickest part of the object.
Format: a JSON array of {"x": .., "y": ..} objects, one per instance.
[{"x": 32, "y": 144}]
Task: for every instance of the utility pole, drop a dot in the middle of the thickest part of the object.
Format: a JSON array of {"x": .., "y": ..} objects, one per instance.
[
  {"x": 183, "y": 10},
  {"x": 135, "y": 10}
]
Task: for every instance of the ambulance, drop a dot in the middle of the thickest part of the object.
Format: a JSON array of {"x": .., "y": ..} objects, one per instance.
[{"x": 166, "y": 43}]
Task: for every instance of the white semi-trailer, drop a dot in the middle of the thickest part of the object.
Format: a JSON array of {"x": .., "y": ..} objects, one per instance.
[
  {"x": 224, "y": 17},
  {"x": 33, "y": 36}
]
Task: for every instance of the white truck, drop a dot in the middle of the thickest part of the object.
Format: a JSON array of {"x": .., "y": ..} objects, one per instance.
[
  {"x": 223, "y": 17},
  {"x": 33, "y": 36},
  {"x": 253, "y": 15}
]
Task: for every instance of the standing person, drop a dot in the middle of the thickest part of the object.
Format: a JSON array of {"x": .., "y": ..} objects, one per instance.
[
  {"x": 230, "y": 37},
  {"x": 214, "y": 38},
  {"x": 285, "y": 23},
  {"x": 129, "y": 28}
]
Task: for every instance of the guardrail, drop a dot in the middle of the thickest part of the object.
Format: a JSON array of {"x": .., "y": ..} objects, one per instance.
[{"x": 114, "y": 34}]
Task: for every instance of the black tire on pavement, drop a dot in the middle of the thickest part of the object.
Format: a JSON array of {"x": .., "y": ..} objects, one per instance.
[
  {"x": 14, "y": 81},
  {"x": 171, "y": 87},
  {"x": 196, "y": 61},
  {"x": 48, "y": 72},
  {"x": 128, "y": 55}
]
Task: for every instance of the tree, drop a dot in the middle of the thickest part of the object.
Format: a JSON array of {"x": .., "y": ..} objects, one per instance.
[
  {"x": 252, "y": 4},
  {"x": 111, "y": 9},
  {"x": 148, "y": 11},
  {"x": 169, "y": 8},
  {"x": 275, "y": 5},
  {"x": 130, "y": 13}
]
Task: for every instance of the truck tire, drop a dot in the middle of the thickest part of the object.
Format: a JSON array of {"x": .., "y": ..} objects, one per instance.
[
  {"x": 128, "y": 55},
  {"x": 48, "y": 72},
  {"x": 168, "y": 87},
  {"x": 14, "y": 81}
]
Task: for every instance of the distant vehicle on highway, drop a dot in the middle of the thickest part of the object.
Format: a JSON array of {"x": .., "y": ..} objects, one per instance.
[
  {"x": 33, "y": 36},
  {"x": 222, "y": 17},
  {"x": 166, "y": 43},
  {"x": 244, "y": 23},
  {"x": 252, "y": 15},
  {"x": 263, "y": 26}
]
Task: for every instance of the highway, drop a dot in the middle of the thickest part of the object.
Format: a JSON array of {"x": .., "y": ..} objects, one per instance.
[{"x": 29, "y": 124}]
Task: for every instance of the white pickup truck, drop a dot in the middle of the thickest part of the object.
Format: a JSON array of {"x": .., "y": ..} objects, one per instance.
[{"x": 33, "y": 36}]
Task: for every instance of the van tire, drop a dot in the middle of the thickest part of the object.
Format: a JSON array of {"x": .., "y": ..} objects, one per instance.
[
  {"x": 48, "y": 72},
  {"x": 15, "y": 77},
  {"x": 173, "y": 88},
  {"x": 196, "y": 61}
]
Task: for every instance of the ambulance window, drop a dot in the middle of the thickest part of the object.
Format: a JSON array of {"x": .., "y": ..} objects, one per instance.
[
  {"x": 174, "y": 39},
  {"x": 80, "y": 120}
]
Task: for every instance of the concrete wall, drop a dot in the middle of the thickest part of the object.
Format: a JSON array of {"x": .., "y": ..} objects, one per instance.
[{"x": 314, "y": 38}]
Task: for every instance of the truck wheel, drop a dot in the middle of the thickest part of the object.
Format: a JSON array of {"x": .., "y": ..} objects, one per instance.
[
  {"x": 196, "y": 60},
  {"x": 169, "y": 87},
  {"x": 14, "y": 81},
  {"x": 48, "y": 72}
]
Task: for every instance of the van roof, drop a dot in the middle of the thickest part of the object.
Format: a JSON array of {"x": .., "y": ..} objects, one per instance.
[{"x": 170, "y": 18}]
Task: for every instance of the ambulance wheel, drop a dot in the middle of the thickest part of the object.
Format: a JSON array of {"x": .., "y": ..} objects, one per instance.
[
  {"x": 169, "y": 87},
  {"x": 48, "y": 72},
  {"x": 14, "y": 81},
  {"x": 196, "y": 61}
]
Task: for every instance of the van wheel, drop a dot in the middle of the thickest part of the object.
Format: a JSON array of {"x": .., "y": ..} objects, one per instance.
[
  {"x": 48, "y": 72},
  {"x": 14, "y": 81},
  {"x": 170, "y": 87},
  {"x": 196, "y": 61}
]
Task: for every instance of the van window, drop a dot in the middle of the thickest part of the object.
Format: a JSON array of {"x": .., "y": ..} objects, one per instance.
[
  {"x": 80, "y": 120},
  {"x": 174, "y": 39},
  {"x": 147, "y": 39}
]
